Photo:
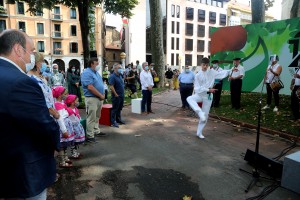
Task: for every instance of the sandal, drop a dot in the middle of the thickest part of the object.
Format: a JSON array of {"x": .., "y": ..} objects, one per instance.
[{"x": 65, "y": 165}]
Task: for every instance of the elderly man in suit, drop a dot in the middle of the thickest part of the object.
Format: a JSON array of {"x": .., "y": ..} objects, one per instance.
[{"x": 28, "y": 134}]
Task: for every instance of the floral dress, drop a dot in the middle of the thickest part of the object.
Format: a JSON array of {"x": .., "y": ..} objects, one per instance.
[{"x": 78, "y": 128}]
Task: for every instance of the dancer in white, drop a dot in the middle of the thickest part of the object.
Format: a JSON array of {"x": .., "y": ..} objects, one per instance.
[{"x": 203, "y": 88}]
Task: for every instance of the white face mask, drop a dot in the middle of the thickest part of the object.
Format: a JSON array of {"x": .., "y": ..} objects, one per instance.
[
  {"x": 30, "y": 66},
  {"x": 97, "y": 68}
]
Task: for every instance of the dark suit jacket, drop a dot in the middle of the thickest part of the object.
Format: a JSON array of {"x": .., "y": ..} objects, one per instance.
[{"x": 28, "y": 136}]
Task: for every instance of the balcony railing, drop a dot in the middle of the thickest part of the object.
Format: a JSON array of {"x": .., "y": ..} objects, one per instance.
[
  {"x": 3, "y": 11},
  {"x": 57, "y": 17},
  {"x": 58, "y": 51},
  {"x": 57, "y": 35}
]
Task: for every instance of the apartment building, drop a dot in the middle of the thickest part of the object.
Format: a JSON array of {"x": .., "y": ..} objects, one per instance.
[
  {"x": 239, "y": 13},
  {"x": 56, "y": 33}
]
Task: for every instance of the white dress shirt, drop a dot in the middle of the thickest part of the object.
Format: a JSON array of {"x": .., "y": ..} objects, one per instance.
[
  {"x": 240, "y": 71},
  {"x": 146, "y": 79}
]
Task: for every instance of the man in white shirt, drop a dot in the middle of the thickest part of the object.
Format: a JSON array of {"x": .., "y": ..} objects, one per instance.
[
  {"x": 147, "y": 84},
  {"x": 236, "y": 81},
  {"x": 203, "y": 87}
]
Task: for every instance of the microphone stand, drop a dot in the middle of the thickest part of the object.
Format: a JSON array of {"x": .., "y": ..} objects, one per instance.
[{"x": 255, "y": 172}]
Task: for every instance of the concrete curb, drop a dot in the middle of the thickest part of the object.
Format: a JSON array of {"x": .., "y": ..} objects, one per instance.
[{"x": 264, "y": 129}]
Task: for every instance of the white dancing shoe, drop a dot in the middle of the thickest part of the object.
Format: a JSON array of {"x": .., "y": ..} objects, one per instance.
[
  {"x": 201, "y": 136},
  {"x": 266, "y": 107},
  {"x": 202, "y": 116}
]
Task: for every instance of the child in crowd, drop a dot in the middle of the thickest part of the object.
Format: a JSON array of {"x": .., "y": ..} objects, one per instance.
[
  {"x": 74, "y": 116},
  {"x": 105, "y": 90},
  {"x": 66, "y": 128}
]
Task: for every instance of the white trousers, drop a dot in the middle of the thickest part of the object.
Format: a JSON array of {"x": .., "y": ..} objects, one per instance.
[{"x": 206, "y": 104}]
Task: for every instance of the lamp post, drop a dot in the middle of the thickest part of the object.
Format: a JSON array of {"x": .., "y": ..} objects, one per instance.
[{"x": 123, "y": 56}]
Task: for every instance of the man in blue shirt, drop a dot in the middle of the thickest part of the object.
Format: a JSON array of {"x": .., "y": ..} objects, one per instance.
[
  {"x": 186, "y": 83},
  {"x": 116, "y": 83},
  {"x": 93, "y": 90}
]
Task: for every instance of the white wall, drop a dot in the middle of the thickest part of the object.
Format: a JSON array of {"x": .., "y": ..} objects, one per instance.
[{"x": 136, "y": 35}]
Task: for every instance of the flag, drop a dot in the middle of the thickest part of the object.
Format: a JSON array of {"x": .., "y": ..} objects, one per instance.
[{"x": 125, "y": 24}]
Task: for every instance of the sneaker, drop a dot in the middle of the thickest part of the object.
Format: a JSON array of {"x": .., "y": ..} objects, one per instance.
[
  {"x": 91, "y": 140},
  {"x": 266, "y": 107},
  {"x": 115, "y": 124},
  {"x": 201, "y": 116},
  {"x": 101, "y": 134},
  {"x": 275, "y": 109},
  {"x": 201, "y": 136}
]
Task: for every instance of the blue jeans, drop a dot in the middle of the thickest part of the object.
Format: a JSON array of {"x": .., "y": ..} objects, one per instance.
[
  {"x": 117, "y": 106},
  {"x": 147, "y": 99}
]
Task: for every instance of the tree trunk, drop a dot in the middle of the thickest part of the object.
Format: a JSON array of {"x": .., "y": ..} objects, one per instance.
[
  {"x": 295, "y": 10},
  {"x": 258, "y": 11},
  {"x": 83, "y": 9},
  {"x": 157, "y": 48}
]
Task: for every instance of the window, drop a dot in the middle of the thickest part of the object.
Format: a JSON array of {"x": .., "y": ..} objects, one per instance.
[
  {"x": 56, "y": 11},
  {"x": 189, "y": 44},
  {"x": 20, "y": 8},
  {"x": 172, "y": 58},
  {"x": 209, "y": 46},
  {"x": 200, "y": 45},
  {"x": 201, "y": 31},
  {"x": 190, "y": 13},
  {"x": 73, "y": 47},
  {"x": 178, "y": 28},
  {"x": 177, "y": 59},
  {"x": 57, "y": 48},
  {"x": 2, "y": 25},
  {"x": 212, "y": 17},
  {"x": 178, "y": 11},
  {"x": 1, "y": 3},
  {"x": 73, "y": 30},
  {"x": 22, "y": 26},
  {"x": 188, "y": 59},
  {"x": 223, "y": 19},
  {"x": 73, "y": 13},
  {"x": 173, "y": 27},
  {"x": 39, "y": 12},
  {"x": 201, "y": 15},
  {"x": 40, "y": 28},
  {"x": 172, "y": 43},
  {"x": 41, "y": 46},
  {"x": 189, "y": 29},
  {"x": 199, "y": 59},
  {"x": 177, "y": 43},
  {"x": 57, "y": 32},
  {"x": 173, "y": 10}
]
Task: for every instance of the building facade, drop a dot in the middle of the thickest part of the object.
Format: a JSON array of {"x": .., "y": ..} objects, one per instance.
[{"x": 56, "y": 33}]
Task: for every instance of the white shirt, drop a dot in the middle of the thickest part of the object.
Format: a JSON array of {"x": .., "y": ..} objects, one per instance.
[
  {"x": 297, "y": 80},
  {"x": 204, "y": 80},
  {"x": 146, "y": 79},
  {"x": 240, "y": 71},
  {"x": 270, "y": 76}
]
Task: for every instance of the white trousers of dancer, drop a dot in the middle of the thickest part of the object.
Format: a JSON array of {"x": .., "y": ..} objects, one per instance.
[{"x": 206, "y": 104}]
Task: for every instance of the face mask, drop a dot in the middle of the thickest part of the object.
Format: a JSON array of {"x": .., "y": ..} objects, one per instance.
[
  {"x": 30, "y": 66},
  {"x": 76, "y": 104},
  {"x": 120, "y": 71},
  {"x": 73, "y": 70},
  {"x": 187, "y": 70},
  {"x": 97, "y": 68},
  {"x": 151, "y": 68},
  {"x": 47, "y": 69},
  {"x": 55, "y": 70},
  {"x": 134, "y": 70},
  {"x": 146, "y": 68},
  {"x": 215, "y": 65},
  {"x": 43, "y": 67}
]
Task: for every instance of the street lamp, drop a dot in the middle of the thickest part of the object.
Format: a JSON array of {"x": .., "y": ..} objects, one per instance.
[{"x": 123, "y": 56}]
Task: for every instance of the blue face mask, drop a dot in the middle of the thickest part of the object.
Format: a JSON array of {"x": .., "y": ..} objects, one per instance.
[
  {"x": 47, "y": 70},
  {"x": 187, "y": 70},
  {"x": 146, "y": 68},
  {"x": 43, "y": 68},
  {"x": 120, "y": 71}
]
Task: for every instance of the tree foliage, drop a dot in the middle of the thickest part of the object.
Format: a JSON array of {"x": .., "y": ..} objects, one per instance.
[{"x": 121, "y": 7}]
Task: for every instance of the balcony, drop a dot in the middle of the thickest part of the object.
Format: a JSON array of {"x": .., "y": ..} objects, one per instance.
[
  {"x": 3, "y": 12},
  {"x": 57, "y": 35},
  {"x": 56, "y": 17},
  {"x": 58, "y": 51}
]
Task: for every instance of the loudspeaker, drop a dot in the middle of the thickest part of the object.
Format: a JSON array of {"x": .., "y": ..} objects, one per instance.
[
  {"x": 93, "y": 54},
  {"x": 271, "y": 167}
]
